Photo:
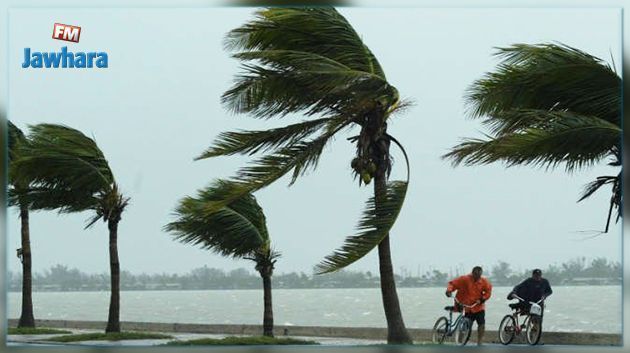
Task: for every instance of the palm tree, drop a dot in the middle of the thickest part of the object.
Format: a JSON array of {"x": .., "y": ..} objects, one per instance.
[
  {"x": 546, "y": 105},
  {"x": 69, "y": 173},
  {"x": 311, "y": 61},
  {"x": 17, "y": 194},
  {"x": 238, "y": 230}
]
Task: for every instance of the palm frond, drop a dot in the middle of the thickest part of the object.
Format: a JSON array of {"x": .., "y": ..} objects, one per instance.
[
  {"x": 63, "y": 165},
  {"x": 62, "y": 200},
  {"x": 237, "y": 229},
  {"x": 304, "y": 59},
  {"x": 544, "y": 77},
  {"x": 617, "y": 197},
  {"x": 373, "y": 227},
  {"x": 577, "y": 141},
  {"x": 251, "y": 142},
  {"x": 15, "y": 137},
  {"x": 616, "y": 200},
  {"x": 593, "y": 186},
  {"x": 265, "y": 92},
  {"x": 318, "y": 30},
  {"x": 518, "y": 120},
  {"x": 299, "y": 157}
]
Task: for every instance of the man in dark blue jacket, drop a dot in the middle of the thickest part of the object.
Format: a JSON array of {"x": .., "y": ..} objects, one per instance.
[{"x": 532, "y": 289}]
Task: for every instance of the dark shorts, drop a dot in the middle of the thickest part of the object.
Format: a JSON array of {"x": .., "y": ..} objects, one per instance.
[{"x": 480, "y": 317}]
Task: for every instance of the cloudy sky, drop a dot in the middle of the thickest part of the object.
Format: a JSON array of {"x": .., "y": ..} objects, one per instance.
[{"x": 157, "y": 106}]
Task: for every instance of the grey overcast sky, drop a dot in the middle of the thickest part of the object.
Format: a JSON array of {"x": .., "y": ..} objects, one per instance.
[{"x": 157, "y": 106}]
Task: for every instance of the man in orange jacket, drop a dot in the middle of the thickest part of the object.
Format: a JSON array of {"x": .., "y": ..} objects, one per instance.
[{"x": 472, "y": 289}]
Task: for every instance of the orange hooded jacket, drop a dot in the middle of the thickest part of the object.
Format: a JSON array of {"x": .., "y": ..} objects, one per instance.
[{"x": 469, "y": 291}]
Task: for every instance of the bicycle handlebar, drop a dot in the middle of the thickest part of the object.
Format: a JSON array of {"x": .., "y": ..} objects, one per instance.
[
  {"x": 523, "y": 300},
  {"x": 465, "y": 305}
]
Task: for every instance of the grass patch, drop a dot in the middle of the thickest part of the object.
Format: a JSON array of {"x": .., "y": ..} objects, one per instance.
[
  {"x": 112, "y": 336},
  {"x": 238, "y": 340},
  {"x": 35, "y": 331}
]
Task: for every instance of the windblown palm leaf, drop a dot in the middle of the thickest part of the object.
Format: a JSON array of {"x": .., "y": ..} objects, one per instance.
[
  {"x": 16, "y": 192},
  {"x": 547, "y": 77},
  {"x": 239, "y": 229},
  {"x": 251, "y": 142},
  {"x": 62, "y": 156},
  {"x": 374, "y": 225},
  {"x": 548, "y": 105},
  {"x": 68, "y": 172},
  {"x": 15, "y": 137},
  {"x": 322, "y": 31},
  {"x": 560, "y": 137}
]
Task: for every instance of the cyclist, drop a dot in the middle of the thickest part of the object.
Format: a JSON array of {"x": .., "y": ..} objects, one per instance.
[
  {"x": 532, "y": 289},
  {"x": 472, "y": 289}
]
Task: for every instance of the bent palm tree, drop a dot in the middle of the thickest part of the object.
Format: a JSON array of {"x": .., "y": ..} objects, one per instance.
[
  {"x": 239, "y": 230},
  {"x": 17, "y": 194},
  {"x": 69, "y": 173},
  {"x": 547, "y": 105},
  {"x": 311, "y": 61}
]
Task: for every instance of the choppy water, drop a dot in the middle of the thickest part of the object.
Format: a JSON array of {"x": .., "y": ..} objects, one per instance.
[{"x": 581, "y": 308}]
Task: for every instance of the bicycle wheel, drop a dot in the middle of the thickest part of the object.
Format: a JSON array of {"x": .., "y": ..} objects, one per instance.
[
  {"x": 507, "y": 330},
  {"x": 440, "y": 330},
  {"x": 462, "y": 331},
  {"x": 533, "y": 330}
]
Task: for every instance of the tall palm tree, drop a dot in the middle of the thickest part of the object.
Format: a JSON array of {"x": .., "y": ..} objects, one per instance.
[
  {"x": 69, "y": 173},
  {"x": 311, "y": 61},
  {"x": 17, "y": 194},
  {"x": 547, "y": 105},
  {"x": 238, "y": 230}
]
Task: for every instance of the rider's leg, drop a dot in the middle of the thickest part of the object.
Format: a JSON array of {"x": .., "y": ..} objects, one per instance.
[
  {"x": 481, "y": 326},
  {"x": 480, "y": 331}
]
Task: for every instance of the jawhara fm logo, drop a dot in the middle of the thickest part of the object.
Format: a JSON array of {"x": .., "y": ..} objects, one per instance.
[{"x": 64, "y": 58}]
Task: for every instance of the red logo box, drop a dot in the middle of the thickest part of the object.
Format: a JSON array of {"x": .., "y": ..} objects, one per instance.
[{"x": 66, "y": 32}]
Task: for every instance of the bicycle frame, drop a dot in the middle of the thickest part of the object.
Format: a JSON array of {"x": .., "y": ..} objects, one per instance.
[
  {"x": 516, "y": 313},
  {"x": 452, "y": 325},
  {"x": 518, "y": 328}
]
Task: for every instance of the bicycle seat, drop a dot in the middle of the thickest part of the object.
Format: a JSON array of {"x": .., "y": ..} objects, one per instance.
[{"x": 449, "y": 308}]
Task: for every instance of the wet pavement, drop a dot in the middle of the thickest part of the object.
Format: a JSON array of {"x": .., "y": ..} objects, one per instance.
[{"x": 40, "y": 340}]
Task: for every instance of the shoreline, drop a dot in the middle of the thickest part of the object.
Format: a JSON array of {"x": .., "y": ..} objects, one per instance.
[
  {"x": 106, "y": 290},
  {"x": 367, "y": 333}
]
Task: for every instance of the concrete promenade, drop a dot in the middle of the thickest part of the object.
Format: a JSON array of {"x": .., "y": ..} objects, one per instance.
[{"x": 359, "y": 333}]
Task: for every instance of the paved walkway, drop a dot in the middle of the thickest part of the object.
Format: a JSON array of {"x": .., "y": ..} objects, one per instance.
[{"x": 21, "y": 340}]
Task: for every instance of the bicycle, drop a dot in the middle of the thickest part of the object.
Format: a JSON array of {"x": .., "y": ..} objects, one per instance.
[
  {"x": 509, "y": 327},
  {"x": 461, "y": 327}
]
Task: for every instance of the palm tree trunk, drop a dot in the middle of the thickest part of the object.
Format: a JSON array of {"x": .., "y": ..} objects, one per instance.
[
  {"x": 268, "y": 310},
  {"x": 26, "y": 319},
  {"x": 113, "y": 320},
  {"x": 396, "y": 330}
]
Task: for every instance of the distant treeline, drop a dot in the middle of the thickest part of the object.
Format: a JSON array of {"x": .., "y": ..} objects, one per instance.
[{"x": 599, "y": 271}]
